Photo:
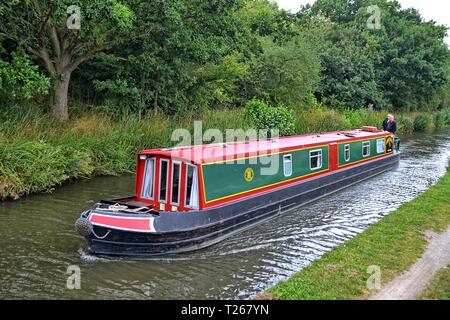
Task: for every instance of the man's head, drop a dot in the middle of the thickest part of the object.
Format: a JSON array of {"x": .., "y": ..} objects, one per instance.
[{"x": 390, "y": 117}]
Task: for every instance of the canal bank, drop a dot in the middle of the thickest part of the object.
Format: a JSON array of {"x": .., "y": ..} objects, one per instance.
[{"x": 391, "y": 246}]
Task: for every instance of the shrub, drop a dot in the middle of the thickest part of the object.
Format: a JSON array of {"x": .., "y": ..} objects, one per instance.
[
  {"x": 440, "y": 119},
  {"x": 446, "y": 115},
  {"x": 422, "y": 122},
  {"x": 405, "y": 124},
  {"x": 354, "y": 117},
  {"x": 20, "y": 79},
  {"x": 263, "y": 116},
  {"x": 329, "y": 120}
]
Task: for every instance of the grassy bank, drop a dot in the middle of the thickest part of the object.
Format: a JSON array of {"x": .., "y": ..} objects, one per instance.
[
  {"x": 439, "y": 288},
  {"x": 393, "y": 244},
  {"x": 38, "y": 153}
]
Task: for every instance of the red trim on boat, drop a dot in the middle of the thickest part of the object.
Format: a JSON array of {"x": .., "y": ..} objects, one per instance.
[{"x": 123, "y": 223}]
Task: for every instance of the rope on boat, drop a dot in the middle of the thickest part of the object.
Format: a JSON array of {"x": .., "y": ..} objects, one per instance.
[
  {"x": 120, "y": 207},
  {"x": 103, "y": 237},
  {"x": 114, "y": 207}
]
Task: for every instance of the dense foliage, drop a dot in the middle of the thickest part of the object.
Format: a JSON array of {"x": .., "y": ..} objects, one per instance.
[
  {"x": 402, "y": 64},
  {"x": 20, "y": 79},
  {"x": 63, "y": 34},
  {"x": 278, "y": 120},
  {"x": 179, "y": 56}
]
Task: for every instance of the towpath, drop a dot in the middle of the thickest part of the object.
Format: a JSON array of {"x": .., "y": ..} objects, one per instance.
[{"x": 410, "y": 284}]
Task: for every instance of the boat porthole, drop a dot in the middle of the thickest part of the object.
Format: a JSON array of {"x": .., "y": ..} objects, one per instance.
[{"x": 249, "y": 174}]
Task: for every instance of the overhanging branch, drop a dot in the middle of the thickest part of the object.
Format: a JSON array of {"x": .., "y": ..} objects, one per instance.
[{"x": 87, "y": 56}]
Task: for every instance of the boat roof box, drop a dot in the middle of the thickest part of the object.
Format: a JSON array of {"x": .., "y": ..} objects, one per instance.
[{"x": 370, "y": 129}]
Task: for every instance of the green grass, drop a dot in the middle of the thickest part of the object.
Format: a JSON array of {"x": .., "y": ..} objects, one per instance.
[
  {"x": 393, "y": 244},
  {"x": 439, "y": 287},
  {"x": 38, "y": 152}
]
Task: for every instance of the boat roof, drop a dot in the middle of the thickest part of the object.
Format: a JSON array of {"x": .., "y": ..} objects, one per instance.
[{"x": 219, "y": 152}]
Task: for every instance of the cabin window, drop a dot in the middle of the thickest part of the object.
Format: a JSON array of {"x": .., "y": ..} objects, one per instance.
[
  {"x": 380, "y": 146},
  {"x": 149, "y": 176},
  {"x": 366, "y": 149},
  {"x": 191, "y": 198},
  {"x": 176, "y": 177},
  {"x": 347, "y": 153},
  {"x": 163, "y": 175},
  {"x": 315, "y": 159},
  {"x": 287, "y": 165}
]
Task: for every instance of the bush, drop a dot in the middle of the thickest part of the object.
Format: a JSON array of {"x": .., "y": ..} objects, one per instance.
[
  {"x": 446, "y": 115},
  {"x": 20, "y": 79},
  {"x": 263, "y": 116},
  {"x": 405, "y": 124},
  {"x": 422, "y": 122},
  {"x": 325, "y": 120},
  {"x": 440, "y": 119}
]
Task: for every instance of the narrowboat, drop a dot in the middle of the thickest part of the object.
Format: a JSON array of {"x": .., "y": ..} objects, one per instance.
[{"x": 187, "y": 198}]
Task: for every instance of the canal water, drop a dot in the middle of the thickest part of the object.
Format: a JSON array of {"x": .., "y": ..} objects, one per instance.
[{"x": 38, "y": 242}]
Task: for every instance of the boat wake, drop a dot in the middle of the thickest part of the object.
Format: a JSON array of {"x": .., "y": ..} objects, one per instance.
[{"x": 88, "y": 258}]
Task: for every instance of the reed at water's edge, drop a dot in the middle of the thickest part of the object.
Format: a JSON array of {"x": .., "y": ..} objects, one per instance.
[{"x": 38, "y": 152}]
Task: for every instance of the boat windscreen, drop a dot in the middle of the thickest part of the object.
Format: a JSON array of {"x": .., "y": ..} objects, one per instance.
[
  {"x": 149, "y": 177},
  {"x": 176, "y": 175},
  {"x": 191, "y": 199},
  {"x": 163, "y": 175}
]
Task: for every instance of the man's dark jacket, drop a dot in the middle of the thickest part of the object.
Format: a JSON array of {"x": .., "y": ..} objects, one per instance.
[{"x": 390, "y": 126}]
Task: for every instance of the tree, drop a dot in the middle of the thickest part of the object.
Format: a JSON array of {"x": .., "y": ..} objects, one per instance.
[
  {"x": 349, "y": 78},
  {"x": 400, "y": 64},
  {"x": 286, "y": 74},
  {"x": 64, "y": 34},
  {"x": 414, "y": 55},
  {"x": 191, "y": 59},
  {"x": 266, "y": 19}
]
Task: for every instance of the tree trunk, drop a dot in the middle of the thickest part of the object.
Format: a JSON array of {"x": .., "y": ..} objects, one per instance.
[
  {"x": 155, "y": 103},
  {"x": 156, "y": 95},
  {"x": 60, "y": 108}
]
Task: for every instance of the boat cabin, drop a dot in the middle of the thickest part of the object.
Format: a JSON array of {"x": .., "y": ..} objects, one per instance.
[{"x": 204, "y": 176}]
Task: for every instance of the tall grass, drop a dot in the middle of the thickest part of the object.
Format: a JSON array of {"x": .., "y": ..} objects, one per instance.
[
  {"x": 38, "y": 152},
  {"x": 323, "y": 119},
  {"x": 423, "y": 122}
]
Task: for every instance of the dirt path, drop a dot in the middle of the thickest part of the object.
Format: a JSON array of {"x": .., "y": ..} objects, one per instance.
[{"x": 409, "y": 285}]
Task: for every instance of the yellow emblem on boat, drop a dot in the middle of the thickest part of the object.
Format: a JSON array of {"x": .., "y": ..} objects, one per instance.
[
  {"x": 249, "y": 174},
  {"x": 389, "y": 144}
]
